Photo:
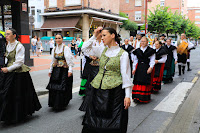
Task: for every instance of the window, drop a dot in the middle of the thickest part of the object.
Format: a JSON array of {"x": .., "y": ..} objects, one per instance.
[
  {"x": 197, "y": 16},
  {"x": 197, "y": 22},
  {"x": 72, "y": 2},
  {"x": 52, "y": 3},
  {"x": 127, "y": 1},
  {"x": 38, "y": 15},
  {"x": 33, "y": 12},
  {"x": 162, "y": 3},
  {"x": 138, "y": 2},
  {"x": 127, "y": 15},
  {"x": 197, "y": 11},
  {"x": 138, "y": 15}
]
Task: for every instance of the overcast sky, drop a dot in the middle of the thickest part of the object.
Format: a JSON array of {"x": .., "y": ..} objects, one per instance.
[{"x": 193, "y": 3}]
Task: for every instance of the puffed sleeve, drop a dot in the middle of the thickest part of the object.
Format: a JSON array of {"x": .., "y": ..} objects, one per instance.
[
  {"x": 163, "y": 59},
  {"x": 52, "y": 60},
  {"x": 126, "y": 73},
  {"x": 152, "y": 61},
  {"x": 90, "y": 49},
  {"x": 69, "y": 58},
  {"x": 19, "y": 58}
]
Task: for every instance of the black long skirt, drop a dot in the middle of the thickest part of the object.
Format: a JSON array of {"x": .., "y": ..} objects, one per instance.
[
  {"x": 18, "y": 98},
  {"x": 89, "y": 91},
  {"x": 60, "y": 88},
  {"x": 105, "y": 112}
]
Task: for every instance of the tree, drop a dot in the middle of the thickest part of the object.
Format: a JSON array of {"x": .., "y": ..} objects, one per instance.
[
  {"x": 160, "y": 20},
  {"x": 192, "y": 30},
  {"x": 127, "y": 24}
]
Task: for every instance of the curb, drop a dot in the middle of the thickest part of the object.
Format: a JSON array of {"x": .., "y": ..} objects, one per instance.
[
  {"x": 175, "y": 126},
  {"x": 40, "y": 93}
]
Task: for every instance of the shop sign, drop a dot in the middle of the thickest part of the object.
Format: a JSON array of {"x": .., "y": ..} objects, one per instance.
[{"x": 24, "y": 7}]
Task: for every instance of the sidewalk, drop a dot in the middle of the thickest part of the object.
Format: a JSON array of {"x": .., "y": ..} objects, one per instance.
[
  {"x": 187, "y": 119},
  {"x": 39, "y": 72}
]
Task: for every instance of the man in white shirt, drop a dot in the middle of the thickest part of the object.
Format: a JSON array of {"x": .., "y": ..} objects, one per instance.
[
  {"x": 33, "y": 44},
  {"x": 137, "y": 42},
  {"x": 131, "y": 41}
]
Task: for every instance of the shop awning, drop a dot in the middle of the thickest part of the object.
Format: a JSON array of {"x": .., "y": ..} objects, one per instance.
[
  {"x": 60, "y": 23},
  {"x": 107, "y": 20}
]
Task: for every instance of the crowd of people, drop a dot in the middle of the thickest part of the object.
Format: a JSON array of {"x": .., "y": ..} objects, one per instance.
[{"x": 112, "y": 76}]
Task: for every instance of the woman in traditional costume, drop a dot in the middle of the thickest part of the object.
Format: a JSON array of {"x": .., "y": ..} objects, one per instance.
[
  {"x": 107, "y": 112},
  {"x": 92, "y": 72},
  {"x": 161, "y": 57},
  {"x": 60, "y": 73},
  {"x": 18, "y": 98},
  {"x": 169, "y": 69},
  {"x": 143, "y": 64}
]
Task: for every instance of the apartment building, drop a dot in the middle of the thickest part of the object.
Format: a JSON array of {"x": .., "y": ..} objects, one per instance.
[{"x": 194, "y": 15}]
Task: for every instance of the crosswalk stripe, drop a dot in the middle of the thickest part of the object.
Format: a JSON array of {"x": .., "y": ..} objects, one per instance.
[{"x": 171, "y": 102}]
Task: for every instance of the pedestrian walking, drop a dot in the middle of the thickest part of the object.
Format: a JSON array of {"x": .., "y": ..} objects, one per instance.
[
  {"x": 73, "y": 48},
  {"x": 169, "y": 69},
  {"x": 182, "y": 49},
  {"x": 33, "y": 44},
  {"x": 90, "y": 71},
  {"x": 18, "y": 98},
  {"x": 60, "y": 73},
  {"x": 39, "y": 46},
  {"x": 51, "y": 45},
  {"x": 108, "y": 110},
  {"x": 161, "y": 57},
  {"x": 143, "y": 64},
  {"x": 129, "y": 48}
]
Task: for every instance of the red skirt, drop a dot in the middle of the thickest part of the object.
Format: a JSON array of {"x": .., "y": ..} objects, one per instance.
[
  {"x": 142, "y": 93},
  {"x": 157, "y": 80}
]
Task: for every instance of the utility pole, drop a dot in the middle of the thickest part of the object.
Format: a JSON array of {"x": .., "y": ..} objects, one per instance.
[{"x": 146, "y": 17}]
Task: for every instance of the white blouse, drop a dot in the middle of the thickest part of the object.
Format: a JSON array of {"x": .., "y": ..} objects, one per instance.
[
  {"x": 163, "y": 57},
  {"x": 67, "y": 54},
  {"x": 112, "y": 52},
  {"x": 152, "y": 59},
  {"x": 19, "y": 57}
]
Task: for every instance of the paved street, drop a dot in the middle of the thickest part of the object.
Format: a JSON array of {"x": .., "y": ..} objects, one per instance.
[{"x": 154, "y": 117}]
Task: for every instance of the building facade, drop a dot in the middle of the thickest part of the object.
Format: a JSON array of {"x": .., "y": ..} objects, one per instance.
[
  {"x": 35, "y": 8},
  {"x": 194, "y": 15},
  {"x": 179, "y": 6},
  {"x": 79, "y": 17}
]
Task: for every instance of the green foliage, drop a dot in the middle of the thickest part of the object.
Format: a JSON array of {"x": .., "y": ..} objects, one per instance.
[
  {"x": 164, "y": 21},
  {"x": 127, "y": 24}
]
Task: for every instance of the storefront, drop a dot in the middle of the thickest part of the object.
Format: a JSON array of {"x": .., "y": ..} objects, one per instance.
[
  {"x": 20, "y": 21},
  {"x": 80, "y": 23}
]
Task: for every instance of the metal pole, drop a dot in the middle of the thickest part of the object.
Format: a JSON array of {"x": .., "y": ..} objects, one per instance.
[
  {"x": 3, "y": 20},
  {"x": 145, "y": 17}
]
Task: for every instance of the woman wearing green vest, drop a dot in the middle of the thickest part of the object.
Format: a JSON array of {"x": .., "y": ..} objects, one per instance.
[
  {"x": 18, "y": 98},
  {"x": 108, "y": 110}
]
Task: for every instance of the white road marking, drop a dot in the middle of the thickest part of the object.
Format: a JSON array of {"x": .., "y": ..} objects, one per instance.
[
  {"x": 74, "y": 90},
  {"x": 171, "y": 102}
]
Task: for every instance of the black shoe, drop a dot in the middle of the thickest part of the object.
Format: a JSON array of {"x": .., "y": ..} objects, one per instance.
[
  {"x": 188, "y": 65},
  {"x": 189, "y": 69}
]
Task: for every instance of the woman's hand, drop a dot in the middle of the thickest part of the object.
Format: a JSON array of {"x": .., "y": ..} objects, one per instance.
[
  {"x": 156, "y": 61},
  {"x": 175, "y": 62},
  {"x": 5, "y": 70},
  {"x": 133, "y": 72},
  {"x": 127, "y": 102},
  {"x": 149, "y": 70},
  {"x": 93, "y": 57},
  {"x": 69, "y": 74},
  {"x": 49, "y": 74},
  {"x": 97, "y": 31}
]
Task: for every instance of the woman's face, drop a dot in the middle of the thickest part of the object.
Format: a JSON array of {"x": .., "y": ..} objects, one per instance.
[
  {"x": 156, "y": 39},
  {"x": 144, "y": 42},
  {"x": 38, "y": 39},
  {"x": 168, "y": 42},
  {"x": 157, "y": 45},
  {"x": 107, "y": 37},
  {"x": 10, "y": 36},
  {"x": 59, "y": 39}
]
